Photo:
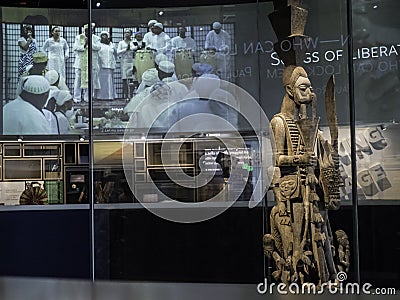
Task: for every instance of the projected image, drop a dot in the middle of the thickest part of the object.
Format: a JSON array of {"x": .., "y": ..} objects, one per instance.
[
  {"x": 38, "y": 64},
  {"x": 130, "y": 52}
]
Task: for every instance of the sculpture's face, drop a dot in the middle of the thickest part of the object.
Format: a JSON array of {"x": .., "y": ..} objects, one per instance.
[
  {"x": 343, "y": 241},
  {"x": 288, "y": 187},
  {"x": 302, "y": 91},
  {"x": 268, "y": 250}
]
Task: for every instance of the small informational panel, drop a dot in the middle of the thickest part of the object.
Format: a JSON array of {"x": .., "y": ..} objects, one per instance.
[{"x": 10, "y": 192}]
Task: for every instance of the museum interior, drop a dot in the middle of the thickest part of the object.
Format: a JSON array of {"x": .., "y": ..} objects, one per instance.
[{"x": 201, "y": 142}]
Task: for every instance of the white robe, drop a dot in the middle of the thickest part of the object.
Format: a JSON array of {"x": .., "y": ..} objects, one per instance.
[
  {"x": 52, "y": 119},
  {"x": 22, "y": 118},
  {"x": 63, "y": 123},
  {"x": 81, "y": 65},
  {"x": 107, "y": 60},
  {"x": 58, "y": 52},
  {"x": 127, "y": 61},
  {"x": 182, "y": 43},
  {"x": 158, "y": 42}
]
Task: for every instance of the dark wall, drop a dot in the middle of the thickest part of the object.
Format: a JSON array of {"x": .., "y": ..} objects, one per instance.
[
  {"x": 380, "y": 245},
  {"x": 227, "y": 248},
  {"x": 135, "y": 245},
  {"x": 47, "y": 243}
]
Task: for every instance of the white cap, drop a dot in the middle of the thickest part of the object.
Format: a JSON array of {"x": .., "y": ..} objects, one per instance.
[
  {"x": 159, "y": 58},
  {"x": 105, "y": 32},
  {"x": 86, "y": 26},
  {"x": 166, "y": 66},
  {"x": 216, "y": 25},
  {"x": 159, "y": 25},
  {"x": 62, "y": 96},
  {"x": 150, "y": 77},
  {"x": 52, "y": 76},
  {"x": 151, "y": 22},
  {"x": 36, "y": 84}
]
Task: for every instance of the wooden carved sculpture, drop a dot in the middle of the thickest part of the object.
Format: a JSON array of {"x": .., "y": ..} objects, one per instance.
[{"x": 306, "y": 181}]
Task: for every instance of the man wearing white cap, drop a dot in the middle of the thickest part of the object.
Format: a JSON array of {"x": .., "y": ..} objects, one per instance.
[
  {"x": 153, "y": 111},
  {"x": 56, "y": 80},
  {"x": 166, "y": 74},
  {"x": 24, "y": 114},
  {"x": 158, "y": 42},
  {"x": 165, "y": 69},
  {"x": 159, "y": 58},
  {"x": 64, "y": 111},
  {"x": 219, "y": 41},
  {"x": 81, "y": 63},
  {"x": 148, "y": 35},
  {"x": 181, "y": 42},
  {"x": 149, "y": 78}
]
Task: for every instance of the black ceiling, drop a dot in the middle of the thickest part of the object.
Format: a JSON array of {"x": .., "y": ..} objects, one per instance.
[{"x": 120, "y": 3}]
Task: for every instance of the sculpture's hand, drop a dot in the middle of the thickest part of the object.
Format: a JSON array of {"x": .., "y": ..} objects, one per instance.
[
  {"x": 308, "y": 159},
  {"x": 281, "y": 208},
  {"x": 334, "y": 204}
]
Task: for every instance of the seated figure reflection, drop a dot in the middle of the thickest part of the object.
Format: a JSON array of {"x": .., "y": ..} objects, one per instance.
[{"x": 24, "y": 114}]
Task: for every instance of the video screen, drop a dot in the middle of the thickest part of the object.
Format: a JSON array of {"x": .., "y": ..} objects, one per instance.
[{"x": 151, "y": 66}]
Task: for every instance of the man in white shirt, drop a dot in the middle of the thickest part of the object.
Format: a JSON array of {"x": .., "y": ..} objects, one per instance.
[
  {"x": 166, "y": 74},
  {"x": 181, "y": 41},
  {"x": 219, "y": 40},
  {"x": 148, "y": 35},
  {"x": 181, "y": 51},
  {"x": 158, "y": 42}
]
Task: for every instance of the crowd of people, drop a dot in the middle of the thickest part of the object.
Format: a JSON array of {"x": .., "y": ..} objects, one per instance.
[{"x": 47, "y": 70}]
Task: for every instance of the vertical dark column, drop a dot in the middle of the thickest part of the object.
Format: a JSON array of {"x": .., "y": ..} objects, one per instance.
[
  {"x": 1, "y": 72},
  {"x": 90, "y": 137},
  {"x": 353, "y": 144}
]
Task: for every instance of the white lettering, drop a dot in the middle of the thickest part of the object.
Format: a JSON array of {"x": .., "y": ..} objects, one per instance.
[
  {"x": 366, "y": 287},
  {"x": 262, "y": 286},
  {"x": 248, "y": 48},
  {"x": 271, "y": 49},
  {"x": 281, "y": 289},
  {"x": 288, "y": 45},
  {"x": 294, "y": 288},
  {"x": 276, "y": 59}
]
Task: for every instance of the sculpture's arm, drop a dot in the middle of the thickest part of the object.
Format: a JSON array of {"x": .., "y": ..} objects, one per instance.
[{"x": 281, "y": 158}]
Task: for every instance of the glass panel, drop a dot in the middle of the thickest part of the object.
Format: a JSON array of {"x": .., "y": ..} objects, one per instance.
[
  {"x": 377, "y": 111},
  {"x": 160, "y": 168},
  {"x": 325, "y": 55},
  {"x": 376, "y": 80}
]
